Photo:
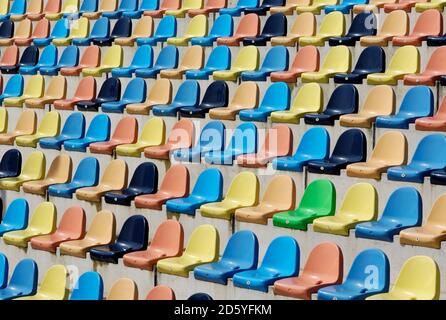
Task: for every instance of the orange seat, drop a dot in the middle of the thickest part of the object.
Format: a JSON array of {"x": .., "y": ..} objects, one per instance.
[
  {"x": 123, "y": 289},
  {"x": 165, "y": 5},
  {"x": 71, "y": 227},
  {"x": 324, "y": 267},
  {"x": 211, "y": 6},
  {"x": 51, "y": 7},
  {"x": 175, "y": 185},
  {"x": 41, "y": 30},
  {"x": 23, "y": 30},
  {"x": 10, "y": 57},
  {"x": 434, "y": 123},
  {"x": 26, "y": 125},
  {"x": 86, "y": 91},
  {"x": 434, "y": 69},
  {"x": 90, "y": 59},
  {"x": 306, "y": 60},
  {"x": 167, "y": 242},
  {"x": 161, "y": 293},
  {"x": 405, "y": 5},
  {"x": 126, "y": 131},
  {"x": 249, "y": 26}
]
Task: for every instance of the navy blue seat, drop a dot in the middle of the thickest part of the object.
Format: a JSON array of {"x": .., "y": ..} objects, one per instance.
[
  {"x": 143, "y": 58},
  {"x": 436, "y": 41},
  {"x": 89, "y": 286},
  {"x": 29, "y": 58},
  {"x": 16, "y": 216},
  {"x": 276, "y": 59},
  {"x": 135, "y": 92},
  {"x": 110, "y": 91},
  {"x": 167, "y": 59},
  {"x": 74, "y": 128},
  {"x": 48, "y": 58},
  {"x": 100, "y": 30},
  {"x": 133, "y": 237},
  {"x": 167, "y": 28},
  {"x": 200, "y": 296},
  {"x": 98, "y": 131},
  {"x": 363, "y": 24},
  {"x": 351, "y": 147},
  {"x": 219, "y": 59},
  {"x": 223, "y": 26},
  {"x": 144, "y": 181},
  {"x": 275, "y": 26},
  {"x": 13, "y": 88},
  {"x": 60, "y": 30},
  {"x": 68, "y": 59},
  {"x": 11, "y": 164},
  {"x": 188, "y": 95},
  {"x": 265, "y": 6},
  {"x": 7, "y": 29},
  {"x": 122, "y": 29},
  {"x": 216, "y": 96},
  {"x": 23, "y": 281}
]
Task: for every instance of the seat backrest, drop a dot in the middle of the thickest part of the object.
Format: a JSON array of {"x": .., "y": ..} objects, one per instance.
[
  {"x": 24, "y": 276},
  {"x": 73, "y": 223},
  {"x": 50, "y": 124},
  {"x": 108, "y": 5},
  {"x": 276, "y": 97},
  {"x": 113, "y": 57},
  {"x": 16, "y": 214},
  {"x": 122, "y": 28},
  {"x": 30, "y": 56},
  {"x": 249, "y": 26},
  {"x": 431, "y": 151},
  {"x": 54, "y": 282},
  {"x": 135, "y": 91},
  {"x": 101, "y": 28},
  {"x": 212, "y": 136},
  {"x": 391, "y": 148},
  {"x": 282, "y": 256},
  {"x": 244, "y": 189},
  {"x": 42, "y": 29},
  {"x": 242, "y": 249},
  {"x": 110, "y": 90},
  {"x": 91, "y": 57},
  {"x": 192, "y": 4},
  {"x": 405, "y": 60},
  {"x": 49, "y": 56},
  {"x": 11, "y": 162},
  {"x": 69, "y": 57},
  {"x": 436, "y": 59},
  {"x": 18, "y": 7},
  {"x": 87, "y": 171},
  {"x": 57, "y": 88},
  {"x": 247, "y": 59},
  {"x": 219, "y": 59},
  {"x": 14, "y": 86},
  {"x": 34, "y": 166},
  {"x": 430, "y": 22},
  {"x": 244, "y": 139},
  {"x": 396, "y": 23},
  {"x": 89, "y": 6},
  {"x": 181, "y": 134},
  {"x": 24, "y": 29},
  {"x": 278, "y": 141},
  {"x": 197, "y": 27},
  {"x": 35, "y": 86},
  {"x": 404, "y": 207},
  {"x": 360, "y": 202},
  {"x": 193, "y": 58},
  {"x": 145, "y": 176},
  {"x": 306, "y": 59},
  {"x": 60, "y": 168},
  {"x": 169, "y": 237},
  {"x": 70, "y": 6},
  {"x": 176, "y": 180},
  {"x": 7, "y": 27},
  {"x": 143, "y": 27},
  {"x": 134, "y": 232},
  {"x": 86, "y": 90},
  {"x": 204, "y": 243},
  {"x": 276, "y": 59},
  {"x": 153, "y": 132},
  {"x": 188, "y": 93},
  {"x": 61, "y": 29},
  {"x": 275, "y": 25},
  {"x": 418, "y": 101},
  {"x": 126, "y": 130},
  {"x": 80, "y": 28},
  {"x": 246, "y": 96},
  {"x": 26, "y": 122},
  {"x": 310, "y": 95},
  {"x": 209, "y": 185},
  {"x": 320, "y": 196},
  {"x": 43, "y": 219},
  {"x": 337, "y": 59},
  {"x": 304, "y": 25},
  {"x": 351, "y": 146},
  {"x": 223, "y": 26},
  {"x": 167, "y": 27},
  {"x": 436, "y": 215},
  {"x": 344, "y": 99},
  {"x": 161, "y": 91},
  {"x": 371, "y": 60},
  {"x": 123, "y": 289},
  {"x": 167, "y": 58},
  {"x": 216, "y": 95},
  {"x": 161, "y": 292},
  {"x": 52, "y": 6},
  {"x": 10, "y": 57},
  {"x": 89, "y": 286},
  {"x": 102, "y": 227},
  {"x": 325, "y": 262},
  {"x": 380, "y": 100},
  {"x": 115, "y": 175},
  {"x": 128, "y": 5},
  {"x": 363, "y": 24},
  {"x": 332, "y": 24}
]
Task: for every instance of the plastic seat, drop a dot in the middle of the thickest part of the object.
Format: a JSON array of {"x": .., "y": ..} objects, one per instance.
[
  {"x": 405, "y": 5},
  {"x": 113, "y": 178},
  {"x": 223, "y": 26},
  {"x": 434, "y": 4},
  {"x": 159, "y": 93},
  {"x": 275, "y": 26},
  {"x": 48, "y": 58},
  {"x": 363, "y": 24},
  {"x": 167, "y": 59},
  {"x": 57, "y": 89},
  {"x": 192, "y": 59},
  {"x": 126, "y": 131},
  {"x": 188, "y": 95},
  {"x": 34, "y": 89},
  {"x": 25, "y": 125},
  {"x": 276, "y": 60},
  {"x": 48, "y": 127},
  {"x": 68, "y": 59},
  {"x": 435, "y": 123},
  {"x": 243, "y": 141},
  {"x": 167, "y": 28},
  {"x": 350, "y": 148},
  {"x": 337, "y": 60},
  {"x": 90, "y": 59},
  {"x": 86, "y": 175},
  {"x": 306, "y": 60},
  {"x": 219, "y": 59},
  {"x": 68, "y": 7},
  {"x": 87, "y": 6},
  {"x": 109, "y": 92},
  {"x": 100, "y": 30},
  {"x": 249, "y": 26},
  {"x": 208, "y": 188},
  {"x": 144, "y": 5},
  {"x": 23, "y": 31},
  {"x": 395, "y": 24},
  {"x": 99, "y": 130},
  {"x": 10, "y": 164},
  {"x": 333, "y": 25},
  {"x": 186, "y": 5},
  {"x": 197, "y": 27},
  {"x": 123, "y": 289},
  {"x": 78, "y": 30},
  {"x": 23, "y": 281},
  {"x": 343, "y": 100},
  {"x": 9, "y": 62},
  {"x": 143, "y": 29},
  {"x": 304, "y": 26},
  {"x": 89, "y": 286},
  {"x": 43, "y": 221},
  {"x": 240, "y": 7},
  {"x": 112, "y": 59},
  {"x": 432, "y": 72},
  {"x": 127, "y": 6},
  {"x": 135, "y": 92},
  {"x": 211, "y": 6},
  {"x": 144, "y": 181},
  {"x": 85, "y": 91},
  {"x": 53, "y": 285},
  {"x": 101, "y": 232},
  {"x": 203, "y": 247},
  {"x": 29, "y": 57},
  {"x": 152, "y": 134},
  {"x": 3, "y": 116},
  {"x": 324, "y": 267},
  {"x": 403, "y": 210},
  {"x": 247, "y": 60},
  {"x": 60, "y": 30},
  {"x": 308, "y": 100},
  {"x": 289, "y": 7},
  {"x": 316, "y": 6},
  {"x": 41, "y": 31},
  {"x": 104, "y": 6},
  {"x": 13, "y": 88},
  {"x": 345, "y": 6},
  {"x": 266, "y": 5},
  {"x": 216, "y": 96},
  {"x": 161, "y": 292},
  {"x": 7, "y": 29},
  {"x": 143, "y": 58},
  {"x": 71, "y": 227}
]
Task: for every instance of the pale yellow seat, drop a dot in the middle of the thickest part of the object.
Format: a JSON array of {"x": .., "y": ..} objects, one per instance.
[
  {"x": 79, "y": 28},
  {"x": 104, "y": 6},
  {"x": 247, "y": 60},
  {"x": 35, "y": 88},
  {"x": 34, "y": 7},
  {"x": 359, "y": 205},
  {"x": 23, "y": 30},
  {"x": 304, "y": 26},
  {"x": 69, "y": 6},
  {"x": 123, "y": 289},
  {"x": 113, "y": 59},
  {"x": 114, "y": 178},
  {"x": 49, "y": 127},
  {"x": 197, "y": 27},
  {"x": 316, "y": 6},
  {"x": 337, "y": 60},
  {"x": 405, "y": 60},
  {"x": 32, "y": 169},
  {"x": 373, "y": 5},
  {"x": 159, "y": 93},
  {"x": 3, "y": 120},
  {"x": 101, "y": 232},
  {"x": 395, "y": 24},
  {"x": 153, "y": 134},
  {"x": 43, "y": 221},
  {"x": 186, "y": 5},
  {"x": 433, "y": 4},
  {"x": 193, "y": 59},
  {"x": 309, "y": 99},
  {"x": 57, "y": 90},
  {"x": 290, "y": 6},
  {"x": 333, "y": 25},
  {"x": 4, "y": 7},
  {"x": 143, "y": 29},
  {"x": 53, "y": 285},
  {"x": 203, "y": 247},
  {"x": 26, "y": 124}
]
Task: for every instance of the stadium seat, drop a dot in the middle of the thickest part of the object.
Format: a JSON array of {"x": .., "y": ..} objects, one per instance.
[
  {"x": 306, "y": 60},
  {"x": 332, "y": 25},
  {"x": 56, "y": 90},
  {"x": 89, "y": 286},
  {"x": 135, "y": 92},
  {"x": 53, "y": 285},
  {"x": 219, "y": 59},
  {"x": 112, "y": 59},
  {"x": 87, "y": 6},
  {"x": 98, "y": 130},
  {"x": 344, "y": 7},
  {"x": 47, "y": 59},
  {"x": 126, "y": 131},
  {"x": 10, "y": 164},
  {"x": 79, "y": 29},
  {"x": 123, "y": 289},
  {"x": 3, "y": 117},
  {"x": 275, "y": 26},
  {"x": 197, "y": 27},
  {"x": 34, "y": 89},
  {"x": 276, "y": 60},
  {"x": 372, "y": 6},
  {"x": 90, "y": 59},
  {"x": 363, "y": 24},
  {"x": 161, "y": 292},
  {"x": 48, "y": 127},
  {"x": 304, "y": 26},
  {"x": 395, "y": 24},
  {"x": 29, "y": 57},
  {"x": 59, "y": 31},
  {"x": 240, "y": 7},
  {"x": 109, "y": 92},
  {"x": 249, "y": 26},
  {"x": 41, "y": 31},
  {"x": 405, "y": 5},
  {"x": 22, "y": 33},
  {"x": 124, "y": 6},
  {"x": 434, "y": 4},
  {"x": 324, "y": 267},
  {"x": 316, "y": 6},
  {"x": 167, "y": 28},
  {"x": 143, "y": 29},
  {"x": 247, "y": 60},
  {"x": 9, "y": 62},
  {"x": 32, "y": 7},
  {"x": 435, "y": 123},
  {"x": 186, "y": 5},
  {"x": 266, "y": 5},
  {"x": 15, "y": 8},
  {"x": 68, "y": 59},
  {"x": 159, "y": 93},
  {"x": 85, "y": 91},
  {"x": 7, "y": 29},
  {"x": 104, "y": 6},
  {"x": 13, "y": 88},
  {"x": 71, "y": 227},
  {"x": 68, "y": 7},
  {"x": 16, "y": 216},
  {"x": 432, "y": 72},
  {"x": 222, "y": 27},
  {"x": 23, "y": 281},
  {"x": 188, "y": 95},
  {"x": 144, "y": 5},
  {"x": 100, "y": 30},
  {"x": 390, "y": 150},
  {"x": 167, "y": 59},
  {"x": 216, "y": 96},
  {"x": 192, "y": 59},
  {"x": 25, "y": 125}
]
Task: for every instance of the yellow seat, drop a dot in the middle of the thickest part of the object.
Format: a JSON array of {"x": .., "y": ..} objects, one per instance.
[
  {"x": 35, "y": 88},
  {"x": 372, "y": 6},
  {"x": 143, "y": 29},
  {"x": 32, "y": 169},
  {"x": 243, "y": 192},
  {"x": 26, "y": 124},
  {"x": 113, "y": 179},
  {"x": 43, "y": 221},
  {"x": 153, "y": 134},
  {"x": 57, "y": 90},
  {"x": 69, "y": 6},
  {"x": 113, "y": 59},
  {"x": 337, "y": 60},
  {"x": 290, "y": 6},
  {"x": 333, "y": 25},
  {"x": 316, "y": 6},
  {"x": 419, "y": 279},
  {"x": 433, "y": 4},
  {"x": 3, "y": 120},
  {"x": 247, "y": 60},
  {"x": 359, "y": 205},
  {"x": 160, "y": 93},
  {"x": 53, "y": 285},
  {"x": 303, "y": 26},
  {"x": 186, "y": 5},
  {"x": 309, "y": 99},
  {"x": 101, "y": 232},
  {"x": 104, "y": 6},
  {"x": 49, "y": 127},
  {"x": 79, "y": 28},
  {"x": 34, "y": 7},
  {"x": 59, "y": 172},
  {"x": 193, "y": 59},
  {"x": 203, "y": 247},
  {"x": 23, "y": 30},
  {"x": 197, "y": 27},
  {"x": 4, "y": 7},
  {"x": 396, "y": 23},
  {"x": 123, "y": 289},
  {"x": 405, "y": 60}
]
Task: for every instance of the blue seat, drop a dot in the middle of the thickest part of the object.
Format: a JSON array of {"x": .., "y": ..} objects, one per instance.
[
  {"x": 430, "y": 155},
  {"x": 74, "y": 128},
  {"x": 241, "y": 254},
  {"x": 18, "y": 7},
  {"x": 216, "y": 96},
  {"x": 241, "y": 6},
  {"x": 135, "y": 92},
  {"x": 418, "y": 102},
  {"x": 89, "y": 286},
  {"x": 100, "y": 30},
  {"x": 265, "y": 6},
  {"x": 200, "y": 296},
  {"x": 145, "y": 5},
  {"x": 133, "y": 237},
  {"x": 436, "y": 41},
  {"x": 13, "y": 88},
  {"x": 11, "y": 164},
  {"x": 68, "y": 59},
  {"x": 363, "y": 24},
  {"x": 276, "y": 59},
  {"x": 275, "y": 26},
  {"x": 48, "y": 58},
  {"x": 86, "y": 175},
  {"x": 188, "y": 95},
  {"x": 345, "y": 6},
  {"x": 23, "y": 281},
  {"x": 60, "y": 30},
  {"x": 219, "y": 59},
  {"x": 167, "y": 59},
  {"x": 343, "y": 100},
  {"x": 243, "y": 141},
  {"x": 144, "y": 181},
  {"x": 351, "y": 147},
  {"x": 314, "y": 145},
  {"x": 212, "y": 138},
  {"x": 208, "y": 188},
  {"x": 143, "y": 58},
  {"x": 122, "y": 29},
  {"x": 281, "y": 260},
  {"x": 368, "y": 275},
  {"x": 87, "y": 6},
  {"x": 7, "y": 29},
  {"x": 223, "y": 26},
  {"x": 110, "y": 91},
  {"x": 29, "y": 57},
  {"x": 99, "y": 130},
  {"x": 167, "y": 28},
  {"x": 4, "y": 268},
  {"x": 276, "y": 98},
  {"x": 128, "y": 6},
  {"x": 16, "y": 216},
  {"x": 403, "y": 210}
]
